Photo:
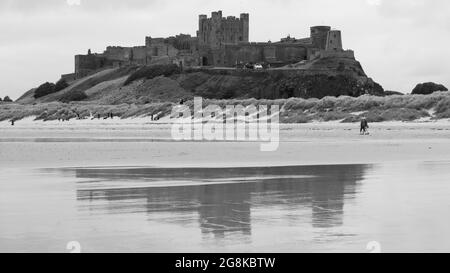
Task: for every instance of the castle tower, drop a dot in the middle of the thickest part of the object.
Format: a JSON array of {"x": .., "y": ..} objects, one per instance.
[
  {"x": 218, "y": 30},
  {"x": 334, "y": 40},
  {"x": 245, "y": 21},
  {"x": 201, "y": 20},
  {"x": 319, "y": 35}
]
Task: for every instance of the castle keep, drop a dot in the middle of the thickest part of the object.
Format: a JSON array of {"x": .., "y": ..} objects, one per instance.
[{"x": 220, "y": 42}]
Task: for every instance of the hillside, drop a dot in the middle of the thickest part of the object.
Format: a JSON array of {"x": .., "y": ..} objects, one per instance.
[{"x": 318, "y": 79}]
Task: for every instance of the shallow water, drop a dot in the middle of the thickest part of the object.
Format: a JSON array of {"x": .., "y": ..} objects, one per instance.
[{"x": 331, "y": 208}]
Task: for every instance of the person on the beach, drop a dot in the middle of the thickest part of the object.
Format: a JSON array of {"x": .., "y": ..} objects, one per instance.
[
  {"x": 364, "y": 126},
  {"x": 12, "y": 122}
]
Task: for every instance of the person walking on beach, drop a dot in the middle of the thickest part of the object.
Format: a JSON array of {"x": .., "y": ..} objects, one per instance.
[{"x": 364, "y": 126}]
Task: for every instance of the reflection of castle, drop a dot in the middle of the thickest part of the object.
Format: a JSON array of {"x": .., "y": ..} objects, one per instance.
[
  {"x": 221, "y": 41},
  {"x": 226, "y": 208}
]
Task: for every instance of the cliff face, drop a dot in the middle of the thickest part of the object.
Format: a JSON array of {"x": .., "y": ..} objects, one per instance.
[
  {"x": 276, "y": 85},
  {"x": 317, "y": 79}
]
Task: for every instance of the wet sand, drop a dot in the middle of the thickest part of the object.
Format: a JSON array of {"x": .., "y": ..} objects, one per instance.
[
  {"x": 129, "y": 188},
  {"x": 140, "y": 143}
]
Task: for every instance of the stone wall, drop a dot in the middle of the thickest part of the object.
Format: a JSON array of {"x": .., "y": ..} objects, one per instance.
[
  {"x": 264, "y": 52},
  {"x": 349, "y": 54},
  {"x": 85, "y": 64},
  {"x": 69, "y": 78},
  {"x": 180, "y": 49},
  {"x": 124, "y": 55},
  {"x": 139, "y": 55}
]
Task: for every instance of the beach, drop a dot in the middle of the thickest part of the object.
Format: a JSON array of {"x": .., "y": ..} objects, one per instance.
[
  {"x": 137, "y": 142},
  {"x": 126, "y": 186}
]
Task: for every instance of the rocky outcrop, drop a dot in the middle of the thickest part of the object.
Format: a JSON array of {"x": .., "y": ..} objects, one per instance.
[
  {"x": 276, "y": 85},
  {"x": 428, "y": 88},
  {"x": 325, "y": 77}
]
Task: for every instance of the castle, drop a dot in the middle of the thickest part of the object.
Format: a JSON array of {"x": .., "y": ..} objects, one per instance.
[{"x": 220, "y": 42}]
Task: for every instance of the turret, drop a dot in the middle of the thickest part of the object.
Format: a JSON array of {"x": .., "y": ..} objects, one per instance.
[
  {"x": 216, "y": 15},
  {"x": 201, "y": 19},
  {"x": 245, "y": 21},
  {"x": 319, "y": 35},
  {"x": 334, "y": 40}
]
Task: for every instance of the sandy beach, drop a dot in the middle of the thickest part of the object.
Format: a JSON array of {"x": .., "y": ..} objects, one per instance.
[
  {"x": 79, "y": 143},
  {"x": 125, "y": 185}
]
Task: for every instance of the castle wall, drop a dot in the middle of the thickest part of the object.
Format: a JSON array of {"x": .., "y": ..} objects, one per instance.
[
  {"x": 180, "y": 42},
  {"x": 174, "y": 49},
  {"x": 291, "y": 53},
  {"x": 117, "y": 53},
  {"x": 349, "y": 54},
  {"x": 160, "y": 60},
  {"x": 243, "y": 54},
  {"x": 85, "y": 64},
  {"x": 186, "y": 60},
  {"x": 162, "y": 49},
  {"x": 139, "y": 55},
  {"x": 69, "y": 78},
  {"x": 264, "y": 52},
  {"x": 181, "y": 50}
]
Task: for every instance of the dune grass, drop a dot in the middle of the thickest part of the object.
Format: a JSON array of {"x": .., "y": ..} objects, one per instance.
[{"x": 293, "y": 110}]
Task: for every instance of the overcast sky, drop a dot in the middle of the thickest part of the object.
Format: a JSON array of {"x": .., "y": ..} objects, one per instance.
[{"x": 399, "y": 42}]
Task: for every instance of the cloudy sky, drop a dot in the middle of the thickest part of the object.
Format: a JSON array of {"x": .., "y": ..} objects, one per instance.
[{"x": 399, "y": 42}]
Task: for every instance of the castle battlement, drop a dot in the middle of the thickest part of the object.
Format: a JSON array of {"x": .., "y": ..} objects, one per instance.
[{"x": 217, "y": 15}]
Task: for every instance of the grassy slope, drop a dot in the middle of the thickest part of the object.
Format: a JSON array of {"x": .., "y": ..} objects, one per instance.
[
  {"x": 110, "y": 86},
  {"x": 103, "y": 77}
]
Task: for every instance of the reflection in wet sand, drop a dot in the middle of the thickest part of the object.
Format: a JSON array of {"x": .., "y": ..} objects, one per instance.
[{"x": 221, "y": 200}]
